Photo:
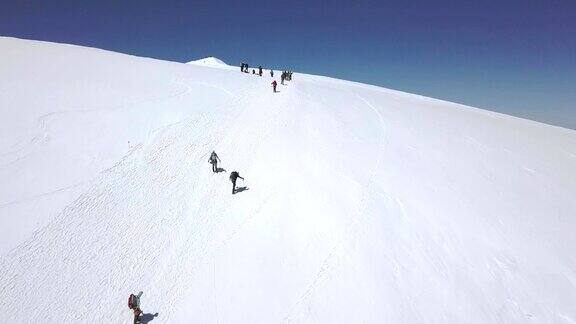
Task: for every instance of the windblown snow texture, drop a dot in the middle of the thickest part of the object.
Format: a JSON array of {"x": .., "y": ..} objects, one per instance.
[{"x": 365, "y": 205}]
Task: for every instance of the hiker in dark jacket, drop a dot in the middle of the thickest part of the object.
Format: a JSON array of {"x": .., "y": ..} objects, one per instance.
[
  {"x": 214, "y": 159},
  {"x": 272, "y": 73},
  {"x": 274, "y": 84},
  {"x": 233, "y": 177},
  {"x": 260, "y": 70}
]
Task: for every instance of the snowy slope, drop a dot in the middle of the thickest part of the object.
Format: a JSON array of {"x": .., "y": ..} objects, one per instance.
[{"x": 363, "y": 205}]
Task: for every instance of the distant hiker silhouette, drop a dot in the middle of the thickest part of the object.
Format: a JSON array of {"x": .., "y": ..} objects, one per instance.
[
  {"x": 272, "y": 73},
  {"x": 233, "y": 177},
  {"x": 274, "y": 84},
  {"x": 260, "y": 70},
  {"x": 214, "y": 161}
]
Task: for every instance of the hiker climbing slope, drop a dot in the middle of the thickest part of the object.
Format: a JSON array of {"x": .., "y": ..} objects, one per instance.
[
  {"x": 233, "y": 177},
  {"x": 214, "y": 159},
  {"x": 134, "y": 305}
]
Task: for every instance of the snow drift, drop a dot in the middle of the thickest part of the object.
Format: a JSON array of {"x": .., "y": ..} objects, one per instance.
[{"x": 363, "y": 204}]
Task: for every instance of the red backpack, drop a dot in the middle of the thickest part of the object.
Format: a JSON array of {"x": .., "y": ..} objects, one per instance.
[{"x": 132, "y": 301}]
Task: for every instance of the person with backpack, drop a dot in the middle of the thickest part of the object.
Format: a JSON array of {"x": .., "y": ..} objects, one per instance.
[
  {"x": 134, "y": 305},
  {"x": 274, "y": 84},
  {"x": 234, "y": 175},
  {"x": 282, "y": 77},
  {"x": 214, "y": 159},
  {"x": 271, "y": 73},
  {"x": 260, "y": 70}
]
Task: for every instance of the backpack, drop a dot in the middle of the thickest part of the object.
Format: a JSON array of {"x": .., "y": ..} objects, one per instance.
[
  {"x": 132, "y": 303},
  {"x": 234, "y": 175}
]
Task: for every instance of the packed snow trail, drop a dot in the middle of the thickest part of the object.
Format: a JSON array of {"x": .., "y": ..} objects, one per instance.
[{"x": 362, "y": 205}]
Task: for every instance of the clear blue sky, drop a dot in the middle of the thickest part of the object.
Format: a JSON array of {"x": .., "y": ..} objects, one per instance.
[{"x": 516, "y": 57}]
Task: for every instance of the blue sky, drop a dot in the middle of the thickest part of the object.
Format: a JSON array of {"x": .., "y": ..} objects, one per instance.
[{"x": 515, "y": 57}]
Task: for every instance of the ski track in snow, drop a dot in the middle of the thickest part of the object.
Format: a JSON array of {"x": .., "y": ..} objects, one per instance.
[
  {"x": 42, "y": 195},
  {"x": 353, "y": 223},
  {"x": 42, "y": 121},
  {"x": 43, "y": 135}
]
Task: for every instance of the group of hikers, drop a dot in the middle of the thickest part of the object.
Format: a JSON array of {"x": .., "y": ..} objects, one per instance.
[
  {"x": 134, "y": 300},
  {"x": 234, "y": 175},
  {"x": 245, "y": 68},
  {"x": 286, "y": 75}
]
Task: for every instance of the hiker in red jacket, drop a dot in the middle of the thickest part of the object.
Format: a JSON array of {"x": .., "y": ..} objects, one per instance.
[
  {"x": 134, "y": 305},
  {"x": 274, "y": 85}
]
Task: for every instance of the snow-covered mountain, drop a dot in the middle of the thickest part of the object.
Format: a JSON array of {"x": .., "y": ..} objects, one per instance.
[
  {"x": 363, "y": 204},
  {"x": 211, "y": 62}
]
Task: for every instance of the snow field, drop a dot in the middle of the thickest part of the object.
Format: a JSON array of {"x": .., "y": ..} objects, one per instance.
[{"x": 363, "y": 204}]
